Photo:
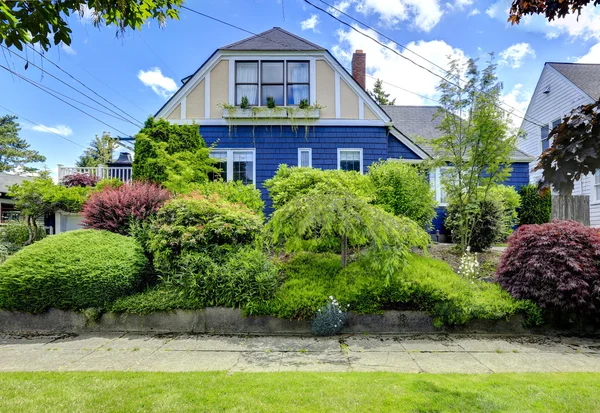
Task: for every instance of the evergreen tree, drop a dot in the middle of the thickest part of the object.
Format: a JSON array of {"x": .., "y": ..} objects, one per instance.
[
  {"x": 379, "y": 94},
  {"x": 14, "y": 151},
  {"x": 99, "y": 152}
]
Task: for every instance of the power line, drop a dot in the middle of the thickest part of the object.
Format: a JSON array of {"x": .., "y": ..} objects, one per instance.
[
  {"x": 83, "y": 84},
  {"x": 62, "y": 100},
  {"x": 406, "y": 90},
  {"x": 159, "y": 58},
  {"x": 408, "y": 59},
  {"x": 117, "y": 115},
  {"x": 43, "y": 127}
]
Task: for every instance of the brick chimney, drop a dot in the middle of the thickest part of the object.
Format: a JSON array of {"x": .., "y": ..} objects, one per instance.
[{"x": 359, "y": 68}]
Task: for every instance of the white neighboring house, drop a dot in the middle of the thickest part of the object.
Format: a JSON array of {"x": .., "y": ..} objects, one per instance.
[{"x": 561, "y": 88}]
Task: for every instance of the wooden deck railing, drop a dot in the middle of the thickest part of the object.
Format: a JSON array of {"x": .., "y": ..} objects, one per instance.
[{"x": 123, "y": 173}]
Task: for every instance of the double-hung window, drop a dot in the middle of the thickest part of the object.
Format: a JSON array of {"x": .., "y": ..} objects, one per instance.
[
  {"x": 287, "y": 82},
  {"x": 350, "y": 160},
  {"x": 246, "y": 82},
  {"x": 235, "y": 164},
  {"x": 305, "y": 157}
]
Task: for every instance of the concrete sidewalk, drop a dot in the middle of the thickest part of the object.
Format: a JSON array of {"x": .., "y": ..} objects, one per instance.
[{"x": 410, "y": 354}]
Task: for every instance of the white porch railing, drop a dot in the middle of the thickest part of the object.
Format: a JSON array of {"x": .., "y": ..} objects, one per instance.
[{"x": 123, "y": 173}]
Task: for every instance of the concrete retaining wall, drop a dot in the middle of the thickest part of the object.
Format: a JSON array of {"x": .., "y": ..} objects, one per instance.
[{"x": 231, "y": 321}]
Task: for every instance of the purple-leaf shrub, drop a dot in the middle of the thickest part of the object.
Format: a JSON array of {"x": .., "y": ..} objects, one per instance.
[
  {"x": 80, "y": 179},
  {"x": 114, "y": 209},
  {"x": 555, "y": 265}
]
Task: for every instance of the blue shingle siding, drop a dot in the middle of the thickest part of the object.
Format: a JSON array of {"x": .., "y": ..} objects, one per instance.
[
  {"x": 397, "y": 149},
  {"x": 279, "y": 145}
]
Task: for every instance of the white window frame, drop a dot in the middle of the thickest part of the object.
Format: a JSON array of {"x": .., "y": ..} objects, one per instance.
[
  {"x": 309, "y": 150},
  {"x": 230, "y": 161},
  {"x": 595, "y": 199},
  {"x": 436, "y": 184},
  {"x": 339, "y": 158}
]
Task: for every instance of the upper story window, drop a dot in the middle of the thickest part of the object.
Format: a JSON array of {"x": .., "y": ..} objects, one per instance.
[
  {"x": 545, "y": 130},
  {"x": 287, "y": 82}
]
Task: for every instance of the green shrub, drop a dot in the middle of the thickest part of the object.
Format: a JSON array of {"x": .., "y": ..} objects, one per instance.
[
  {"x": 292, "y": 182},
  {"x": 536, "y": 205},
  {"x": 113, "y": 183},
  {"x": 157, "y": 298},
  {"x": 402, "y": 190},
  {"x": 73, "y": 270},
  {"x": 196, "y": 223},
  {"x": 510, "y": 200},
  {"x": 234, "y": 191},
  {"x": 488, "y": 228},
  {"x": 14, "y": 235}
]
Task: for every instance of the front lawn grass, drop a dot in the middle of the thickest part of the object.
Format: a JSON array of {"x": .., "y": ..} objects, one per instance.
[{"x": 298, "y": 392}]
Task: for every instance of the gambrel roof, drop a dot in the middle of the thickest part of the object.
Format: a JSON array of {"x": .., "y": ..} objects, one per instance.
[{"x": 585, "y": 76}]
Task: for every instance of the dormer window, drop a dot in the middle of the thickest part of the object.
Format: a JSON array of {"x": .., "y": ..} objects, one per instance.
[{"x": 288, "y": 82}]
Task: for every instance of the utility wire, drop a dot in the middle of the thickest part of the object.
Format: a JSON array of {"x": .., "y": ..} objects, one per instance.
[
  {"x": 405, "y": 90},
  {"x": 62, "y": 100},
  {"x": 43, "y": 127},
  {"x": 159, "y": 58},
  {"x": 408, "y": 59},
  {"x": 83, "y": 84}
]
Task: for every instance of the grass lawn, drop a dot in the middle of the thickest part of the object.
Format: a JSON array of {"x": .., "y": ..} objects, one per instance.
[{"x": 314, "y": 392}]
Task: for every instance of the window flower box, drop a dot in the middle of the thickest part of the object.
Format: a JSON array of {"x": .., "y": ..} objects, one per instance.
[
  {"x": 255, "y": 113},
  {"x": 296, "y": 113}
]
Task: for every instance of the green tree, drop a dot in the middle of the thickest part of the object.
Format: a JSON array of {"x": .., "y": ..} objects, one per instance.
[
  {"x": 323, "y": 214},
  {"x": 42, "y": 22},
  {"x": 476, "y": 141},
  {"x": 174, "y": 156},
  {"x": 14, "y": 151},
  {"x": 379, "y": 94},
  {"x": 99, "y": 152}
]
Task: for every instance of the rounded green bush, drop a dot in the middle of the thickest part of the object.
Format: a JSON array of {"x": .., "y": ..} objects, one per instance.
[{"x": 73, "y": 270}]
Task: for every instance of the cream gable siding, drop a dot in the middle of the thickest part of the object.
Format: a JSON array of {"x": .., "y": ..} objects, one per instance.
[
  {"x": 369, "y": 113},
  {"x": 176, "y": 113},
  {"x": 348, "y": 101},
  {"x": 219, "y": 88},
  {"x": 195, "y": 105},
  {"x": 546, "y": 108},
  {"x": 325, "y": 89}
]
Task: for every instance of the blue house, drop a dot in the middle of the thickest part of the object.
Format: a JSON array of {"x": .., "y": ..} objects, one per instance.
[{"x": 323, "y": 118}]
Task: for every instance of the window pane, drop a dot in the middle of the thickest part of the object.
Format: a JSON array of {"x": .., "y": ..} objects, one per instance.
[
  {"x": 304, "y": 158},
  {"x": 556, "y": 122},
  {"x": 350, "y": 155},
  {"x": 275, "y": 91},
  {"x": 272, "y": 72},
  {"x": 545, "y": 131},
  {"x": 250, "y": 91},
  {"x": 222, "y": 165},
  {"x": 296, "y": 93},
  {"x": 246, "y": 72},
  {"x": 243, "y": 167},
  {"x": 350, "y": 161},
  {"x": 298, "y": 72},
  {"x": 597, "y": 190},
  {"x": 597, "y": 177}
]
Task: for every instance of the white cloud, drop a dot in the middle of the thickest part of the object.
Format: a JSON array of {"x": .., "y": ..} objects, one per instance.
[
  {"x": 88, "y": 15},
  {"x": 474, "y": 12},
  {"x": 161, "y": 85},
  {"x": 496, "y": 10},
  {"x": 342, "y": 6},
  {"x": 423, "y": 14},
  {"x": 395, "y": 70},
  {"x": 461, "y": 4},
  {"x": 310, "y": 23},
  {"x": 592, "y": 56},
  {"x": 67, "y": 49},
  {"x": 59, "y": 129},
  {"x": 514, "y": 55},
  {"x": 518, "y": 99}
]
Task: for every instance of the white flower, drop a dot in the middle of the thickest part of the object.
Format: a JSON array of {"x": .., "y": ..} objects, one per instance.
[{"x": 331, "y": 297}]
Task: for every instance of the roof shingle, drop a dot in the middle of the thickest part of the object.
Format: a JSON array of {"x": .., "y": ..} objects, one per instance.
[
  {"x": 275, "y": 39},
  {"x": 585, "y": 76}
]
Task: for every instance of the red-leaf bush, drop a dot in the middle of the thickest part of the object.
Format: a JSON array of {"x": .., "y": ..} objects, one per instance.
[
  {"x": 114, "y": 209},
  {"x": 80, "y": 179},
  {"x": 555, "y": 265}
]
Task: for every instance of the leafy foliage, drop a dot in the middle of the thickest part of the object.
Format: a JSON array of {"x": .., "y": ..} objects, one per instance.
[
  {"x": 550, "y": 8},
  {"x": 195, "y": 223},
  {"x": 113, "y": 209},
  {"x": 555, "y": 265},
  {"x": 352, "y": 221},
  {"x": 379, "y": 94},
  {"x": 80, "y": 179},
  {"x": 72, "y": 270},
  {"x": 329, "y": 319},
  {"x": 234, "y": 191},
  {"x": 476, "y": 140},
  {"x": 174, "y": 156},
  {"x": 99, "y": 152},
  {"x": 14, "y": 151},
  {"x": 536, "y": 205},
  {"x": 510, "y": 202},
  {"x": 402, "y": 190},
  {"x": 37, "y": 22},
  {"x": 288, "y": 183},
  {"x": 488, "y": 225},
  {"x": 14, "y": 235}
]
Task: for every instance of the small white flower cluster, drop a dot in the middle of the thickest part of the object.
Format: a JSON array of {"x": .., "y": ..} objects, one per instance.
[
  {"x": 330, "y": 319},
  {"x": 469, "y": 266}
]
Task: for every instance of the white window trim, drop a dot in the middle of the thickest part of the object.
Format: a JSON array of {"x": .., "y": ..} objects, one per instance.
[
  {"x": 593, "y": 197},
  {"x": 230, "y": 161},
  {"x": 339, "y": 158},
  {"x": 436, "y": 184},
  {"x": 300, "y": 150}
]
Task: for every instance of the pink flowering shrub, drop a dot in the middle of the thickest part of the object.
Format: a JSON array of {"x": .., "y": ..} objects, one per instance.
[
  {"x": 555, "y": 265},
  {"x": 80, "y": 179},
  {"x": 114, "y": 209}
]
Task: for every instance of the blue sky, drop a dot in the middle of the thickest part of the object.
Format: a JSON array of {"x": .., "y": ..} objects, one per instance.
[{"x": 138, "y": 71}]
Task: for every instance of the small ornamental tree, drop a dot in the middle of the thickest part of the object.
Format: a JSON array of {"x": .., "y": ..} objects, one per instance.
[
  {"x": 114, "y": 209},
  {"x": 555, "y": 265},
  {"x": 80, "y": 179},
  {"x": 353, "y": 221},
  {"x": 536, "y": 205}
]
